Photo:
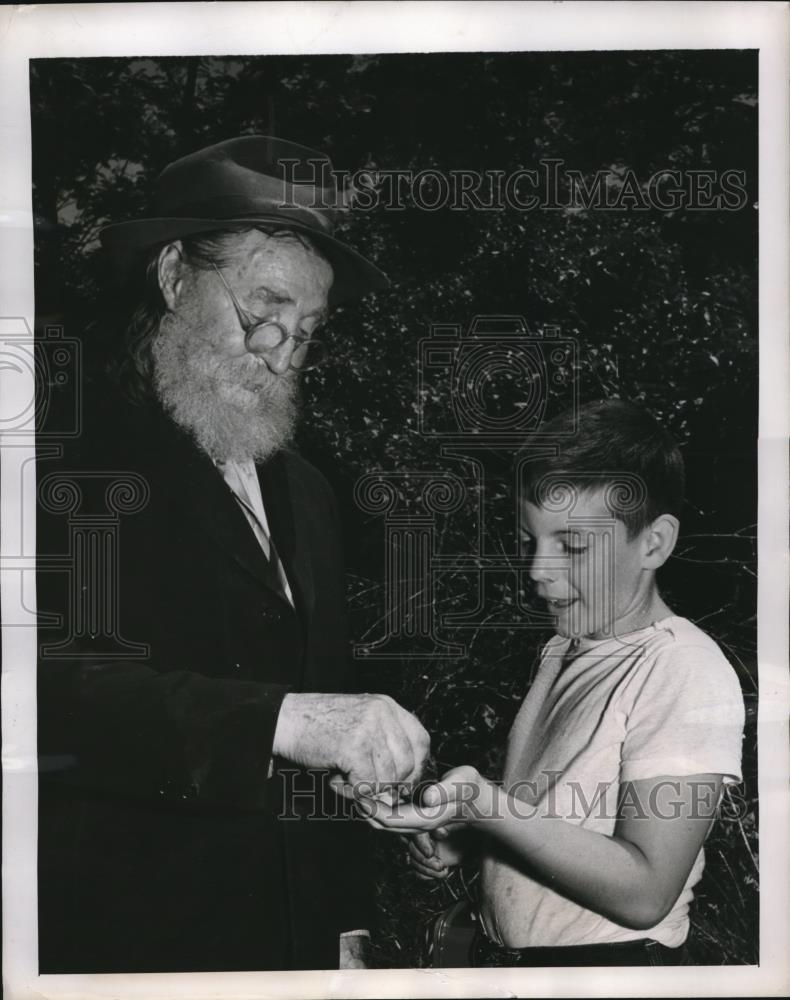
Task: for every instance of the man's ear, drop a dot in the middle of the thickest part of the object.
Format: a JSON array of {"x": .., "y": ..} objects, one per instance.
[
  {"x": 169, "y": 271},
  {"x": 660, "y": 539}
]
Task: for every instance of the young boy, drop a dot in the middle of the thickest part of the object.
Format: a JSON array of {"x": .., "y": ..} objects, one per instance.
[{"x": 592, "y": 844}]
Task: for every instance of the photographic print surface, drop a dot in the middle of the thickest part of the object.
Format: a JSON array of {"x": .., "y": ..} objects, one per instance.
[
  {"x": 418, "y": 398},
  {"x": 559, "y": 228}
]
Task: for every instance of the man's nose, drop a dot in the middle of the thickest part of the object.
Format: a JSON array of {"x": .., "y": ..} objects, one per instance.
[
  {"x": 279, "y": 358},
  {"x": 263, "y": 343}
]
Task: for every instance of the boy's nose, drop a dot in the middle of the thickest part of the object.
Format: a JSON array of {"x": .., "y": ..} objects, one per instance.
[
  {"x": 545, "y": 568},
  {"x": 541, "y": 571}
]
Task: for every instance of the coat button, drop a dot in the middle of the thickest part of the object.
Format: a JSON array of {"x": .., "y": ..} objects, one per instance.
[{"x": 271, "y": 615}]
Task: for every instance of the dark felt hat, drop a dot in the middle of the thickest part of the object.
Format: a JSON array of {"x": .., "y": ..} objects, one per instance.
[{"x": 252, "y": 179}]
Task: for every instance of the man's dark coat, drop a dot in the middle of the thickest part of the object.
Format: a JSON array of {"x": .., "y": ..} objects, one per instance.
[{"x": 163, "y": 843}]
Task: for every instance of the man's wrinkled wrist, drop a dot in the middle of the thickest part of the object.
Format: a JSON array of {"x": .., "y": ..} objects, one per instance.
[{"x": 286, "y": 727}]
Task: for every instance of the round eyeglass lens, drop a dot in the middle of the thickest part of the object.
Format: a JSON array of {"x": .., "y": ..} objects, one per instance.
[{"x": 309, "y": 354}]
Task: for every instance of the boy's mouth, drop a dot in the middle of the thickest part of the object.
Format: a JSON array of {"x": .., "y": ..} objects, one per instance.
[{"x": 559, "y": 604}]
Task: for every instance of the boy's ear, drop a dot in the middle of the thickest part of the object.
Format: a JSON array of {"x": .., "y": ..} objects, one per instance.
[
  {"x": 169, "y": 269},
  {"x": 660, "y": 540}
]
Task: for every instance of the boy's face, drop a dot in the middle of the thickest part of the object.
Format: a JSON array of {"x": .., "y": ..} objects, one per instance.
[{"x": 586, "y": 569}]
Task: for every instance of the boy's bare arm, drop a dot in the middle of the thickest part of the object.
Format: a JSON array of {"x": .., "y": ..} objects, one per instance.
[{"x": 632, "y": 877}]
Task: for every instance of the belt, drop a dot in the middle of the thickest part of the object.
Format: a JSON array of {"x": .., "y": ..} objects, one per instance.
[{"x": 641, "y": 952}]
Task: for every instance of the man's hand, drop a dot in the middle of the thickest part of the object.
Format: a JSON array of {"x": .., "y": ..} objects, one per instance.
[{"x": 366, "y": 739}]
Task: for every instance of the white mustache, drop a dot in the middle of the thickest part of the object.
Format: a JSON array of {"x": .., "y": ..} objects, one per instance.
[{"x": 254, "y": 374}]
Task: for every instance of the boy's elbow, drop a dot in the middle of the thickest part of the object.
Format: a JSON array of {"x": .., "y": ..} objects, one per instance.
[
  {"x": 644, "y": 911},
  {"x": 642, "y": 918}
]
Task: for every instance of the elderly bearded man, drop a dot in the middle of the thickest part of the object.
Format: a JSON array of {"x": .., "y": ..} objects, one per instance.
[{"x": 182, "y": 823}]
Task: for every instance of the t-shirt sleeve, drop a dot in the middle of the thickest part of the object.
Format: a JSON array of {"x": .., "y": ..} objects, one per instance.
[{"x": 686, "y": 716}]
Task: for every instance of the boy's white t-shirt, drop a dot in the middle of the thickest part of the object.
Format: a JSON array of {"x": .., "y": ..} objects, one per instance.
[{"x": 660, "y": 701}]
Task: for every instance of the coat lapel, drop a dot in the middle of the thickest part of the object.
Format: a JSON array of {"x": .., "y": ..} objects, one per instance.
[
  {"x": 203, "y": 491},
  {"x": 283, "y": 507}
]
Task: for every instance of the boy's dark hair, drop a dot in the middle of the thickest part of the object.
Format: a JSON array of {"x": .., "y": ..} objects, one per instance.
[{"x": 618, "y": 447}]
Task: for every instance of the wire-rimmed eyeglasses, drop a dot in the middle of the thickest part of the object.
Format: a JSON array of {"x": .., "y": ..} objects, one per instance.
[{"x": 271, "y": 334}]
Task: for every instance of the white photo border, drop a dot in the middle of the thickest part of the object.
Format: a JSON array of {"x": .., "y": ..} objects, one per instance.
[{"x": 181, "y": 29}]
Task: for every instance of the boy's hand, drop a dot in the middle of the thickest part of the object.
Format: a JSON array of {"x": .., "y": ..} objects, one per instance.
[
  {"x": 430, "y": 857},
  {"x": 463, "y": 796},
  {"x": 423, "y": 857}
]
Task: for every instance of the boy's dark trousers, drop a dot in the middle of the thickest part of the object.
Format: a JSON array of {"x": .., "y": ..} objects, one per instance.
[{"x": 457, "y": 940}]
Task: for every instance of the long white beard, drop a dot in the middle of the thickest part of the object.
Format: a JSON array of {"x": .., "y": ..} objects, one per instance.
[{"x": 233, "y": 408}]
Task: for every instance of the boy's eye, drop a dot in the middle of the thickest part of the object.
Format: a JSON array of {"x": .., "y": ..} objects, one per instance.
[
  {"x": 572, "y": 547},
  {"x": 526, "y": 545}
]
